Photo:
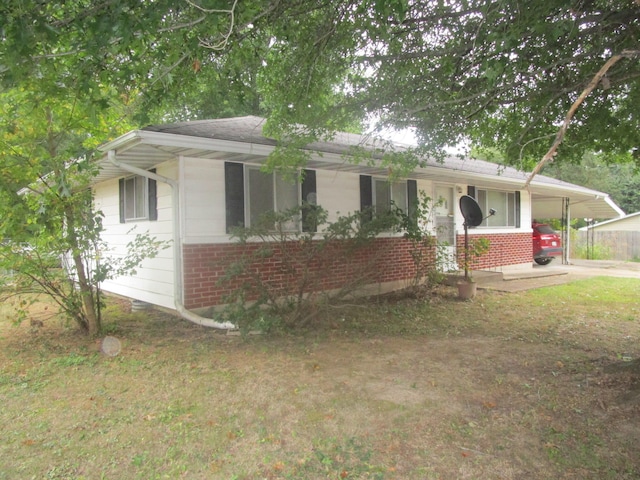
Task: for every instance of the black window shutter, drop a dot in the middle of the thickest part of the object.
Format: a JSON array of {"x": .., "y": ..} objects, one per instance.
[
  {"x": 121, "y": 195},
  {"x": 471, "y": 191},
  {"x": 412, "y": 200},
  {"x": 366, "y": 196},
  {"x": 309, "y": 202},
  {"x": 152, "y": 189},
  {"x": 518, "y": 209},
  {"x": 234, "y": 194}
]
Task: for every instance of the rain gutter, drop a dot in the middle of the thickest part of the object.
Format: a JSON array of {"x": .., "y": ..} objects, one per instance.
[{"x": 177, "y": 242}]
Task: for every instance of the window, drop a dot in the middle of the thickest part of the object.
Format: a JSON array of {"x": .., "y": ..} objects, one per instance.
[
  {"x": 506, "y": 205},
  {"x": 250, "y": 193},
  {"x": 137, "y": 199},
  {"x": 269, "y": 192},
  {"x": 386, "y": 193},
  {"x": 379, "y": 194}
]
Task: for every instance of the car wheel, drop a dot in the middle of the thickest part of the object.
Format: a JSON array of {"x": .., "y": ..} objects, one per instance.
[{"x": 543, "y": 261}]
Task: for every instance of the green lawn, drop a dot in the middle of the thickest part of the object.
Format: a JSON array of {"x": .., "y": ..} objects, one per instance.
[{"x": 535, "y": 385}]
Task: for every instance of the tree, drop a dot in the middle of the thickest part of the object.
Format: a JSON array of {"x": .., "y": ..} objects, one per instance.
[
  {"x": 618, "y": 177},
  {"x": 629, "y": 196},
  {"x": 152, "y": 52},
  {"x": 46, "y": 215},
  {"x": 500, "y": 74}
]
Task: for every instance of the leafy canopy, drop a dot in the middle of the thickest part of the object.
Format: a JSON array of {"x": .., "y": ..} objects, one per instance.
[
  {"x": 500, "y": 74},
  {"x": 619, "y": 179}
]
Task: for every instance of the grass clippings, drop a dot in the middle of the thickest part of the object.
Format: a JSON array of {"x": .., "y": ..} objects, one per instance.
[{"x": 533, "y": 385}]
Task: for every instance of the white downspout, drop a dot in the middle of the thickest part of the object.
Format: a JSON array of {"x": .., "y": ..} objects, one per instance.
[{"x": 177, "y": 242}]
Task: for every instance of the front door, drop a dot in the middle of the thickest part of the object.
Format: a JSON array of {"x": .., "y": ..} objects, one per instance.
[{"x": 445, "y": 229}]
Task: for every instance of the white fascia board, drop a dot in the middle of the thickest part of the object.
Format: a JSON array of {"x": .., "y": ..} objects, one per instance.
[
  {"x": 159, "y": 139},
  {"x": 566, "y": 190},
  {"x": 480, "y": 179},
  {"x": 135, "y": 137},
  {"x": 122, "y": 143},
  {"x": 536, "y": 187},
  {"x": 471, "y": 179},
  {"x": 230, "y": 146},
  {"x": 613, "y": 205},
  {"x": 186, "y": 141}
]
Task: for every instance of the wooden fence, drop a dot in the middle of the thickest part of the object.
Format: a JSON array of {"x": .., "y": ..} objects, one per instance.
[{"x": 618, "y": 245}]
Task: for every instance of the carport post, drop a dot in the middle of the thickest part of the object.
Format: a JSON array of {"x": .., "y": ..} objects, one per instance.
[{"x": 566, "y": 230}]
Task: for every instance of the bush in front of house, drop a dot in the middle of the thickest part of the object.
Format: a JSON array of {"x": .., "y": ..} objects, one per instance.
[{"x": 297, "y": 263}]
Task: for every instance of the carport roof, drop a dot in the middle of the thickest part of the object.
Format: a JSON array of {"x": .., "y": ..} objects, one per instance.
[{"x": 240, "y": 139}]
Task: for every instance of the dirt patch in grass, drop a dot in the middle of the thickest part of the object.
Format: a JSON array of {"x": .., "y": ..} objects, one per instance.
[{"x": 509, "y": 386}]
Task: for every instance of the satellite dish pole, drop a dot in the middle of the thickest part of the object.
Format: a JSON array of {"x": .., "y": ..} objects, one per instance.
[{"x": 472, "y": 214}]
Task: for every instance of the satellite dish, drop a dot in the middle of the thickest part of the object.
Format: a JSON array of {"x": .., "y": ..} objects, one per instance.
[{"x": 470, "y": 211}]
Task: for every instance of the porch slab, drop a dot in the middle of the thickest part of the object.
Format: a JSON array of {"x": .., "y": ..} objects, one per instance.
[
  {"x": 533, "y": 273},
  {"x": 515, "y": 280},
  {"x": 481, "y": 277}
]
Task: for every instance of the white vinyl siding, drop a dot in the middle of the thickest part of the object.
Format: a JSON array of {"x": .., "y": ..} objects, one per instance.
[
  {"x": 153, "y": 281},
  {"x": 202, "y": 193}
]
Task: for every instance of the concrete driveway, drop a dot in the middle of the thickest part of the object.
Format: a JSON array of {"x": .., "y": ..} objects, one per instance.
[{"x": 556, "y": 274}]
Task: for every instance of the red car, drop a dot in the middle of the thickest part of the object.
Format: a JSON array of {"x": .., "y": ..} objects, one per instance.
[{"x": 546, "y": 243}]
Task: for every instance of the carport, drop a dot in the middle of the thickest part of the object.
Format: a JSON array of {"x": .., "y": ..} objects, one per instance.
[{"x": 552, "y": 198}]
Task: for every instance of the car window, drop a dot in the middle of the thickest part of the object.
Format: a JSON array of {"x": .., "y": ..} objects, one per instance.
[{"x": 545, "y": 229}]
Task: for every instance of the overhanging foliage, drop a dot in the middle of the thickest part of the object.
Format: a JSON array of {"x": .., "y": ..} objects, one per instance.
[{"x": 502, "y": 74}]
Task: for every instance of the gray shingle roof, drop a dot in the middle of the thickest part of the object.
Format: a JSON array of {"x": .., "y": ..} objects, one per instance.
[
  {"x": 248, "y": 129},
  {"x": 238, "y": 129}
]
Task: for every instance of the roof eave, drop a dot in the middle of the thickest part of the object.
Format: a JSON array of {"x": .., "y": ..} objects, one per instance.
[{"x": 162, "y": 143}]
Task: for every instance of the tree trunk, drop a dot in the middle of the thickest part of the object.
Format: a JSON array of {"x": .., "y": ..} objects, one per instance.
[
  {"x": 88, "y": 318},
  {"x": 91, "y": 321}
]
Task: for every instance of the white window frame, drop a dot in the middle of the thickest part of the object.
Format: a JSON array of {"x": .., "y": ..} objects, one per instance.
[
  {"x": 136, "y": 201},
  {"x": 506, "y": 210},
  {"x": 391, "y": 189},
  {"x": 294, "y": 226}
]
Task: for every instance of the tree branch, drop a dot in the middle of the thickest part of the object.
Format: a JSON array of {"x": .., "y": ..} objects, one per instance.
[
  {"x": 567, "y": 120},
  {"x": 179, "y": 26},
  {"x": 221, "y": 45}
]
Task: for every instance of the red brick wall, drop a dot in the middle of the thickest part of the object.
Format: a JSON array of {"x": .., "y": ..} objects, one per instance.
[
  {"x": 504, "y": 249},
  {"x": 383, "y": 260}
]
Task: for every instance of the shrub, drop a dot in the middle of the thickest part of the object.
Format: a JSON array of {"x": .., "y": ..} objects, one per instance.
[
  {"x": 306, "y": 262},
  {"x": 310, "y": 258}
]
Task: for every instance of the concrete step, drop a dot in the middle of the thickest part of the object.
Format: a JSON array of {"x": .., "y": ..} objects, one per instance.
[
  {"x": 481, "y": 277},
  {"x": 526, "y": 275}
]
